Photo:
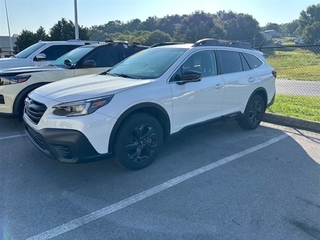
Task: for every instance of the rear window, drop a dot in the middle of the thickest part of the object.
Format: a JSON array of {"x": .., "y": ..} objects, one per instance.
[{"x": 252, "y": 60}]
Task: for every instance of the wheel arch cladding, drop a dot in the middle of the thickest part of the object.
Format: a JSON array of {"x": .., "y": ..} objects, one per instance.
[
  {"x": 155, "y": 110},
  {"x": 263, "y": 93}
]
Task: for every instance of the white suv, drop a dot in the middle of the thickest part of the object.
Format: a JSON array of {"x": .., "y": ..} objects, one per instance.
[
  {"x": 41, "y": 53},
  {"x": 132, "y": 108}
]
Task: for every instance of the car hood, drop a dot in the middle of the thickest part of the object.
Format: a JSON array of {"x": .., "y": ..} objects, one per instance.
[
  {"x": 29, "y": 69},
  {"x": 86, "y": 87},
  {"x": 13, "y": 62}
]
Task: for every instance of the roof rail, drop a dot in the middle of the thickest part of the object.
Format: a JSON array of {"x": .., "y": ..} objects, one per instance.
[
  {"x": 116, "y": 41},
  {"x": 216, "y": 42},
  {"x": 165, "y": 44}
]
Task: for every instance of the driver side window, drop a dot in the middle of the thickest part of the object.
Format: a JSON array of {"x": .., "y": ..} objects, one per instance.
[{"x": 203, "y": 62}]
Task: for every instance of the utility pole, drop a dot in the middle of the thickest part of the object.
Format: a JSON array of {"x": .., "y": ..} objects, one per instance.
[
  {"x": 11, "y": 50},
  {"x": 76, "y": 26}
]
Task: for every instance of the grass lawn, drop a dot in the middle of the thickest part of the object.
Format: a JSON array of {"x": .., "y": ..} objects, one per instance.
[
  {"x": 296, "y": 63},
  {"x": 307, "y": 108},
  {"x": 300, "y": 64}
]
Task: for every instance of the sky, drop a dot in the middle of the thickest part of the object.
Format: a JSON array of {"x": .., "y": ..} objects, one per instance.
[{"x": 31, "y": 14}]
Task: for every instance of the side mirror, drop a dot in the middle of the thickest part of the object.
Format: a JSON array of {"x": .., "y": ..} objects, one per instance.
[
  {"x": 67, "y": 62},
  {"x": 41, "y": 57},
  {"x": 89, "y": 64},
  {"x": 190, "y": 76}
]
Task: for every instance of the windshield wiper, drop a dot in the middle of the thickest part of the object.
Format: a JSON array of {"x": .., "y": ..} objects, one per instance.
[
  {"x": 124, "y": 76},
  {"x": 105, "y": 73},
  {"x": 118, "y": 75}
]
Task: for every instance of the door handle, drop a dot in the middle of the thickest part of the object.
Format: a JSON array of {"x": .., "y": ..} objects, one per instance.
[
  {"x": 251, "y": 80},
  {"x": 218, "y": 86}
]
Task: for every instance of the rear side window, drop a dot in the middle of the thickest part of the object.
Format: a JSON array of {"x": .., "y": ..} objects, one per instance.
[
  {"x": 128, "y": 51},
  {"x": 230, "y": 61},
  {"x": 105, "y": 56},
  {"x": 245, "y": 64},
  {"x": 252, "y": 60}
]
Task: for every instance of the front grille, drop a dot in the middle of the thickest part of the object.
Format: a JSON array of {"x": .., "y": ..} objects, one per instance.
[{"x": 34, "y": 110}]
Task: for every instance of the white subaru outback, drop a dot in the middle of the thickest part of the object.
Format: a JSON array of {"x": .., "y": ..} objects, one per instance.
[{"x": 132, "y": 108}]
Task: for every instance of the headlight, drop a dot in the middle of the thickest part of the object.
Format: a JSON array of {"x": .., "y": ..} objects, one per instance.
[
  {"x": 7, "y": 80},
  {"x": 83, "y": 107}
]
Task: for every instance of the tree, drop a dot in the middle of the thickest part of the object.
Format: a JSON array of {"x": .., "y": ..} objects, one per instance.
[
  {"x": 25, "y": 39},
  {"x": 311, "y": 33},
  {"x": 41, "y": 34},
  {"x": 309, "y": 23},
  {"x": 156, "y": 37},
  {"x": 65, "y": 30},
  {"x": 98, "y": 34},
  {"x": 196, "y": 26},
  {"x": 290, "y": 29},
  {"x": 133, "y": 25},
  {"x": 311, "y": 15},
  {"x": 240, "y": 27},
  {"x": 168, "y": 23},
  {"x": 272, "y": 26},
  {"x": 150, "y": 23}
]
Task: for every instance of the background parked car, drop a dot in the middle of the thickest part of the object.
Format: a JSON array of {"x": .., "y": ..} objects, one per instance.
[
  {"x": 42, "y": 53},
  {"x": 16, "y": 83}
]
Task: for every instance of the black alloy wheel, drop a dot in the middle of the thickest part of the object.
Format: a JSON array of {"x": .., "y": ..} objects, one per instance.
[
  {"x": 253, "y": 113},
  {"x": 138, "y": 141}
]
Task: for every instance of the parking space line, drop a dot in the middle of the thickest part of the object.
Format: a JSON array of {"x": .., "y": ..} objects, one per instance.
[
  {"x": 76, "y": 223},
  {"x": 13, "y": 136}
]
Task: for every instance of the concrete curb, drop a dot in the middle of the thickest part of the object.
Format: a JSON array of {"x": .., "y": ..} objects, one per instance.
[{"x": 292, "y": 122}]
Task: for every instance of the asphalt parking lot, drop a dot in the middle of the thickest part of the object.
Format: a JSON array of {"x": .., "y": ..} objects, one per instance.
[{"x": 214, "y": 181}]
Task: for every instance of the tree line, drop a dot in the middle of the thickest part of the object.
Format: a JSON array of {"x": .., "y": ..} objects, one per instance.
[{"x": 181, "y": 28}]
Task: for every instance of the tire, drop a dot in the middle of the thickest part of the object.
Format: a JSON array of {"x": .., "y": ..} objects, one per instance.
[
  {"x": 138, "y": 141},
  {"x": 253, "y": 113}
]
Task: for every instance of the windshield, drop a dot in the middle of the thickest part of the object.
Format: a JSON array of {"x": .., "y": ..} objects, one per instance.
[
  {"x": 74, "y": 56},
  {"x": 29, "y": 50},
  {"x": 148, "y": 64}
]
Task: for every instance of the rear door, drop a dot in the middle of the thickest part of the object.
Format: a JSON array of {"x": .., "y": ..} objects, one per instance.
[{"x": 240, "y": 80}]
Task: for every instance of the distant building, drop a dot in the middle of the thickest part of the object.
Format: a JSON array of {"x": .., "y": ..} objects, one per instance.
[{"x": 5, "y": 45}]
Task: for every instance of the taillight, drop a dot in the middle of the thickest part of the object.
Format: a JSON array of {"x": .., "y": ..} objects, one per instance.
[{"x": 274, "y": 73}]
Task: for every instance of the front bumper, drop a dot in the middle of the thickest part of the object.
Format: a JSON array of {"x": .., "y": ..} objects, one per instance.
[{"x": 68, "y": 146}]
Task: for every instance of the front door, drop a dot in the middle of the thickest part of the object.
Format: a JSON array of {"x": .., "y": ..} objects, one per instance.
[{"x": 196, "y": 102}]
